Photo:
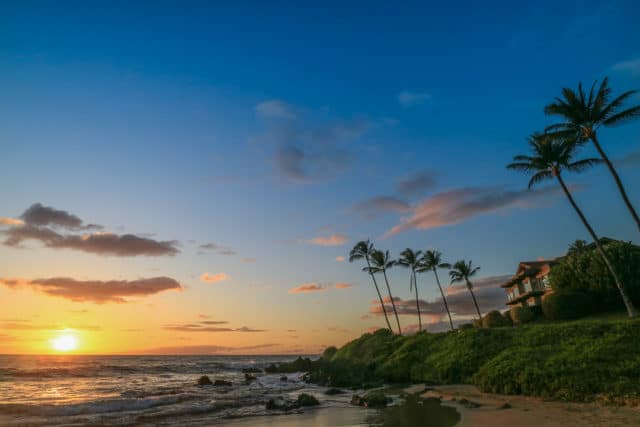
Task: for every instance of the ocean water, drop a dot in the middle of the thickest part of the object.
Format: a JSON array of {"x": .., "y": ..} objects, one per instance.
[{"x": 139, "y": 390}]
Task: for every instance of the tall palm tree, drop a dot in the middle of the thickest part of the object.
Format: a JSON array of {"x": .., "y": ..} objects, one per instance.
[
  {"x": 583, "y": 116},
  {"x": 363, "y": 250},
  {"x": 381, "y": 262},
  {"x": 412, "y": 259},
  {"x": 432, "y": 261},
  {"x": 551, "y": 156},
  {"x": 462, "y": 271}
]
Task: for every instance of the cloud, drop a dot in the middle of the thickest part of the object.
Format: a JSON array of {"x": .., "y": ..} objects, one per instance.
[
  {"x": 343, "y": 285},
  {"x": 212, "y": 278},
  {"x": 410, "y": 99},
  {"x": 96, "y": 291},
  {"x": 332, "y": 240},
  {"x": 458, "y": 205},
  {"x": 26, "y": 325},
  {"x": 276, "y": 109},
  {"x": 340, "y": 258},
  {"x": 309, "y": 148},
  {"x": 631, "y": 159},
  {"x": 488, "y": 292},
  {"x": 207, "y": 327},
  {"x": 39, "y": 220},
  {"x": 416, "y": 184},
  {"x": 208, "y": 349},
  {"x": 220, "y": 250},
  {"x": 631, "y": 66},
  {"x": 39, "y": 215},
  {"x": 375, "y": 206},
  {"x": 10, "y": 221},
  {"x": 248, "y": 260},
  {"x": 306, "y": 288}
]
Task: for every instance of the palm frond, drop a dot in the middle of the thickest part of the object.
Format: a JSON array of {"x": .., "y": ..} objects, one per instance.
[
  {"x": 584, "y": 164},
  {"x": 539, "y": 177},
  {"x": 623, "y": 116},
  {"x": 614, "y": 105}
]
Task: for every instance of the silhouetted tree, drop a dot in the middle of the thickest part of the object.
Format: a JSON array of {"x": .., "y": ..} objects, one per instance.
[
  {"x": 381, "y": 262},
  {"x": 432, "y": 261},
  {"x": 462, "y": 271},
  {"x": 411, "y": 259}
]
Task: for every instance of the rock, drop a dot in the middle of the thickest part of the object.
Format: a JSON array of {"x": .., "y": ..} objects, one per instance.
[
  {"x": 277, "y": 403},
  {"x": 251, "y": 371},
  {"x": 284, "y": 378},
  {"x": 222, "y": 383},
  {"x": 248, "y": 378},
  {"x": 505, "y": 405},
  {"x": 305, "y": 399},
  {"x": 333, "y": 391},
  {"x": 376, "y": 399},
  {"x": 204, "y": 380},
  {"x": 468, "y": 403},
  {"x": 357, "y": 400}
]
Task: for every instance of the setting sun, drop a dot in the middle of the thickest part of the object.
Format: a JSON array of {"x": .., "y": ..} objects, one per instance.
[{"x": 65, "y": 343}]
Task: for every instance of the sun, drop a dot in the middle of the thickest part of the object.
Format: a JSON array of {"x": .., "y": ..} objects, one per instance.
[{"x": 65, "y": 343}]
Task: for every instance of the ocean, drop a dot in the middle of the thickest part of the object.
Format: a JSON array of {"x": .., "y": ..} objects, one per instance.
[{"x": 139, "y": 390}]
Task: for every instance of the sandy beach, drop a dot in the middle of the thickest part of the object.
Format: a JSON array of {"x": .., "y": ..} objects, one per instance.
[{"x": 531, "y": 411}]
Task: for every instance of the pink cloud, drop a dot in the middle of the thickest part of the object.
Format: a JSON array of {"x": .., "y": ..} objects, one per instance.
[
  {"x": 343, "y": 285},
  {"x": 213, "y": 278},
  {"x": 340, "y": 258},
  {"x": 10, "y": 221},
  {"x": 332, "y": 240},
  {"x": 306, "y": 288}
]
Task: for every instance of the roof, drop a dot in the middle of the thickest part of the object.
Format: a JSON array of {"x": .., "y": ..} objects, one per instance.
[{"x": 528, "y": 269}]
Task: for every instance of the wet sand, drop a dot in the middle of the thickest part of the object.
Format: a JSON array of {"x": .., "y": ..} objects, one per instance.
[
  {"x": 322, "y": 417},
  {"x": 531, "y": 411}
]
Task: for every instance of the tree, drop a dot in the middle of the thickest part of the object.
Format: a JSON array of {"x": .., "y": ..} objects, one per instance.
[
  {"x": 577, "y": 247},
  {"x": 551, "y": 155},
  {"x": 583, "y": 116},
  {"x": 412, "y": 259},
  {"x": 363, "y": 250},
  {"x": 381, "y": 262},
  {"x": 462, "y": 271},
  {"x": 432, "y": 261}
]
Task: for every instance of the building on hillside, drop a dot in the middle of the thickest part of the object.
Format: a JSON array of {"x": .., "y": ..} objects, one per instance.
[{"x": 530, "y": 283}]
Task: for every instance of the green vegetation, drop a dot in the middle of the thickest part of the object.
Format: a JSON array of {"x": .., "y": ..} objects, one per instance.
[
  {"x": 566, "y": 305},
  {"x": 521, "y": 315},
  {"x": 577, "y": 361},
  {"x": 495, "y": 319}
]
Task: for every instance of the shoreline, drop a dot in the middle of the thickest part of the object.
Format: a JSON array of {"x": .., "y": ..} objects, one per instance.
[{"x": 526, "y": 411}]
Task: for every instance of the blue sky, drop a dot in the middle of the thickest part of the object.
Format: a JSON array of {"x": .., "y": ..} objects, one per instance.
[{"x": 260, "y": 127}]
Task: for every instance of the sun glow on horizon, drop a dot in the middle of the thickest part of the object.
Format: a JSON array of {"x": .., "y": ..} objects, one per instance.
[{"x": 64, "y": 343}]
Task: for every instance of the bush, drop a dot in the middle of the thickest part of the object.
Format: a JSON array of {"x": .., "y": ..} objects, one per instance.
[
  {"x": 521, "y": 315},
  {"x": 329, "y": 352},
  {"x": 465, "y": 326},
  {"x": 507, "y": 318},
  {"x": 494, "y": 319},
  {"x": 585, "y": 271},
  {"x": 565, "y": 305}
]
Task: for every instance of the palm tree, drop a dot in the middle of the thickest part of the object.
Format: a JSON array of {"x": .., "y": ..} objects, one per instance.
[
  {"x": 381, "y": 262},
  {"x": 577, "y": 247},
  {"x": 462, "y": 271},
  {"x": 412, "y": 259},
  {"x": 551, "y": 155},
  {"x": 432, "y": 260},
  {"x": 363, "y": 250},
  {"x": 583, "y": 116}
]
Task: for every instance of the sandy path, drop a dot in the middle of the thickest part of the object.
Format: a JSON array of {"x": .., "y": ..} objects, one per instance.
[{"x": 531, "y": 411}]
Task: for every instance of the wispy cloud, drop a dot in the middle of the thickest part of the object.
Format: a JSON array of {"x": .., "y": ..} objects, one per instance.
[
  {"x": 10, "y": 221},
  {"x": 340, "y": 258},
  {"x": 410, "y": 99},
  {"x": 416, "y": 184},
  {"x": 210, "y": 349},
  {"x": 208, "y": 326},
  {"x": 306, "y": 288},
  {"x": 458, "y": 205},
  {"x": 374, "y": 206},
  {"x": 96, "y": 291},
  {"x": 214, "y": 247},
  {"x": 631, "y": 66},
  {"x": 213, "y": 278},
  {"x": 343, "y": 285},
  {"x": 309, "y": 147},
  {"x": 332, "y": 240},
  {"x": 54, "y": 228}
]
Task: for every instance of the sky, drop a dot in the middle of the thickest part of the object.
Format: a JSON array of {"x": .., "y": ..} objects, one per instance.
[{"x": 189, "y": 177}]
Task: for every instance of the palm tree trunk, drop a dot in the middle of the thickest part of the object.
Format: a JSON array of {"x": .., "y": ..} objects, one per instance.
[
  {"x": 446, "y": 306},
  {"x": 613, "y": 171},
  {"x": 415, "y": 284},
  {"x": 393, "y": 304},
  {"x": 474, "y": 300},
  {"x": 384, "y": 310},
  {"x": 631, "y": 311}
]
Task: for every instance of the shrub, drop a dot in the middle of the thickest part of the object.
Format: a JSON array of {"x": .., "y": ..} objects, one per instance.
[
  {"x": 507, "y": 318},
  {"x": 566, "y": 305},
  {"x": 465, "y": 326},
  {"x": 520, "y": 315},
  {"x": 329, "y": 352},
  {"x": 494, "y": 319}
]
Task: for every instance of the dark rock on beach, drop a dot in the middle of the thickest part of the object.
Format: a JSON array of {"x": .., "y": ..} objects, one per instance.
[
  {"x": 375, "y": 399},
  {"x": 279, "y": 403},
  {"x": 248, "y": 378},
  {"x": 204, "y": 380},
  {"x": 305, "y": 399},
  {"x": 222, "y": 383},
  {"x": 251, "y": 371},
  {"x": 333, "y": 391},
  {"x": 469, "y": 404},
  {"x": 284, "y": 378}
]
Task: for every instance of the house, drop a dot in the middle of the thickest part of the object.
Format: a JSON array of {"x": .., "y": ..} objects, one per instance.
[{"x": 530, "y": 283}]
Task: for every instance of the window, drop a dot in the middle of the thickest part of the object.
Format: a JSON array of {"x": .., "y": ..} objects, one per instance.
[{"x": 545, "y": 282}]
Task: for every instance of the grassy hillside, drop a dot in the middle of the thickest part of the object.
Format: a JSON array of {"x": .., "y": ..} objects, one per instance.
[{"x": 578, "y": 361}]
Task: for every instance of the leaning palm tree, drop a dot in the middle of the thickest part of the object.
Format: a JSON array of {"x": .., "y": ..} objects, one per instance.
[
  {"x": 551, "y": 156},
  {"x": 432, "y": 261},
  {"x": 412, "y": 259},
  {"x": 381, "y": 262},
  {"x": 462, "y": 271},
  {"x": 363, "y": 250},
  {"x": 583, "y": 116}
]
